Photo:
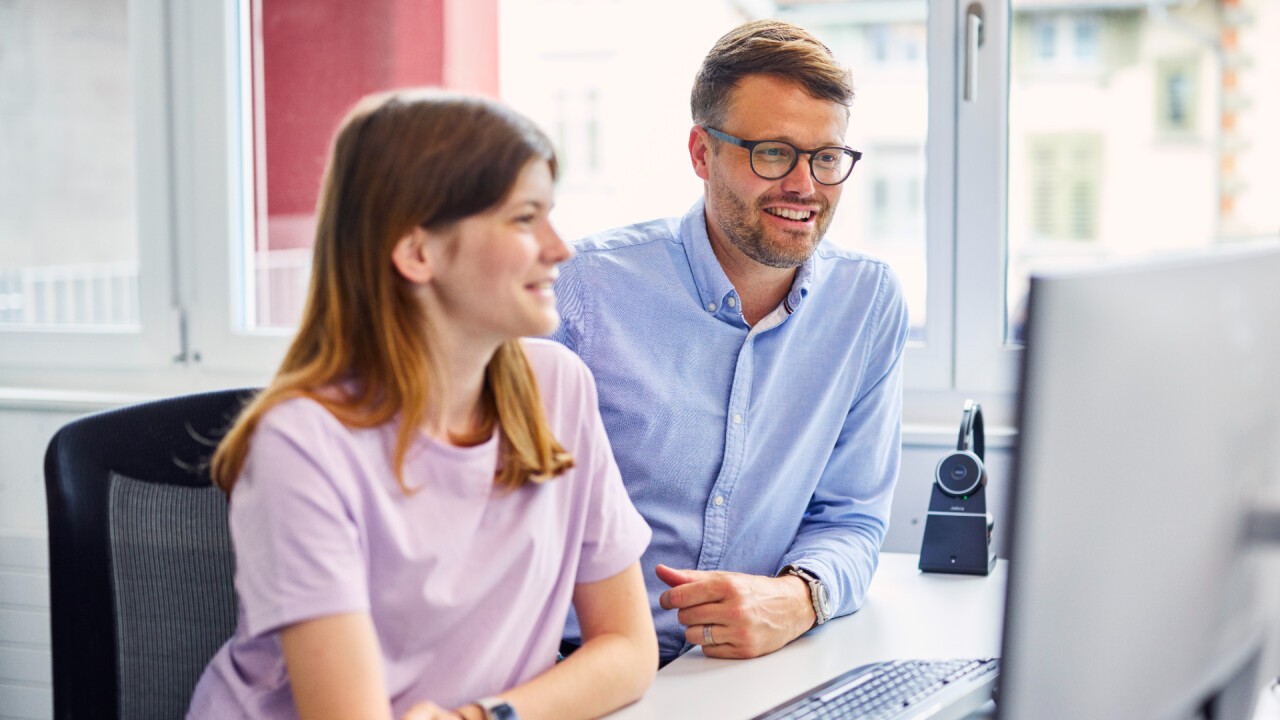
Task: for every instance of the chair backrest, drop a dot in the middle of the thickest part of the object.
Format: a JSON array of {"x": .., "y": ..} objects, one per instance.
[{"x": 140, "y": 561}]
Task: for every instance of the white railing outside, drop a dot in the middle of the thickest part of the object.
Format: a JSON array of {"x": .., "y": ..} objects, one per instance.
[
  {"x": 103, "y": 294},
  {"x": 280, "y": 286}
]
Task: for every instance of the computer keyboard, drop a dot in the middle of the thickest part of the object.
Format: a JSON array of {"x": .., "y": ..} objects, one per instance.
[{"x": 897, "y": 689}]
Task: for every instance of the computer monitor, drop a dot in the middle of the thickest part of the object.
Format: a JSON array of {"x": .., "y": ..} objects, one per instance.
[{"x": 1149, "y": 423}]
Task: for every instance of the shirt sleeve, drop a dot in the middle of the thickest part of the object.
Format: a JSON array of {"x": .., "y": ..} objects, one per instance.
[
  {"x": 615, "y": 535},
  {"x": 845, "y": 523},
  {"x": 299, "y": 550}
]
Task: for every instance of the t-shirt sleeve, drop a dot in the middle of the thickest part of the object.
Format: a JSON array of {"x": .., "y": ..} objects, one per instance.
[
  {"x": 615, "y": 534},
  {"x": 299, "y": 550}
]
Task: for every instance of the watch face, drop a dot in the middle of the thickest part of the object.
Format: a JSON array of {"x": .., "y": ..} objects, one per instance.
[
  {"x": 823, "y": 599},
  {"x": 503, "y": 712}
]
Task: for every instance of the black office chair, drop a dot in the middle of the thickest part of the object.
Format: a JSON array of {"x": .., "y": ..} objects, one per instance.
[{"x": 140, "y": 560}]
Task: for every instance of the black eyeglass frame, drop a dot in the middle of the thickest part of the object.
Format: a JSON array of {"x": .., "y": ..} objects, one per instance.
[{"x": 750, "y": 146}]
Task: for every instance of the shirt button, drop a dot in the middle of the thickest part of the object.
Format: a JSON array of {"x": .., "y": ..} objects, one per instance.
[
  {"x": 737, "y": 419},
  {"x": 711, "y": 307},
  {"x": 719, "y": 500},
  {"x": 733, "y": 302}
]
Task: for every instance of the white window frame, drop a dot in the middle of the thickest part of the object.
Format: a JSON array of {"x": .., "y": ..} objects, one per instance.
[
  {"x": 928, "y": 365},
  {"x": 216, "y": 171},
  {"x": 986, "y": 366}
]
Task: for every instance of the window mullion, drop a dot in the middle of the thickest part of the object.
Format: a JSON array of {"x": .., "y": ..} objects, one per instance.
[
  {"x": 930, "y": 362},
  {"x": 984, "y": 363},
  {"x": 209, "y": 87}
]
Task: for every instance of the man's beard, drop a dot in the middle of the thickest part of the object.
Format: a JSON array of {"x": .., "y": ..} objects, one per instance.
[{"x": 744, "y": 228}]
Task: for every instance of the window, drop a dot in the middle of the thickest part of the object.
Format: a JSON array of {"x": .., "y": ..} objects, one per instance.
[
  {"x": 1087, "y": 38},
  {"x": 85, "y": 196},
  {"x": 894, "y": 221},
  {"x": 898, "y": 43},
  {"x": 1065, "y": 173},
  {"x": 1061, "y": 42},
  {"x": 67, "y": 194},
  {"x": 576, "y": 131},
  {"x": 170, "y": 237},
  {"x": 1176, "y": 96},
  {"x": 1045, "y": 31},
  {"x": 309, "y": 62},
  {"x": 1091, "y": 178}
]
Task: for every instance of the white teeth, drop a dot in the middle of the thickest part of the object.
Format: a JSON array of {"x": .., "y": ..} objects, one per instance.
[{"x": 789, "y": 213}]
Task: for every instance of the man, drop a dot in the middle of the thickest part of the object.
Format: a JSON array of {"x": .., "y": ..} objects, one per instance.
[{"x": 750, "y": 376}]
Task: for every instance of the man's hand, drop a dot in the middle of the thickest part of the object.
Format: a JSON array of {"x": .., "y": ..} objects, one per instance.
[{"x": 735, "y": 615}]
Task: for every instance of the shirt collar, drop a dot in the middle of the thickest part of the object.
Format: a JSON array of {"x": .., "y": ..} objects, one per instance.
[
  {"x": 714, "y": 288},
  {"x": 715, "y": 292}
]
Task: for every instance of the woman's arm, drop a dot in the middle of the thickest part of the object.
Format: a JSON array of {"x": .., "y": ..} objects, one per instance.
[
  {"x": 335, "y": 668},
  {"x": 614, "y": 666}
]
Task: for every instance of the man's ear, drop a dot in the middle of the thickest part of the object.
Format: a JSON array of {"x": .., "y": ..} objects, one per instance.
[
  {"x": 699, "y": 150},
  {"x": 411, "y": 258}
]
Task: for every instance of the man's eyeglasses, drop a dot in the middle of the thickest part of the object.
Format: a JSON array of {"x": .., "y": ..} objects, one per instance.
[{"x": 773, "y": 159}]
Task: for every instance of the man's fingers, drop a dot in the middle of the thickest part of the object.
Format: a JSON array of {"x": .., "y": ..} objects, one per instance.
[
  {"x": 673, "y": 577},
  {"x": 711, "y": 613},
  {"x": 716, "y": 634},
  {"x": 694, "y": 635},
  {"x": 726, "y": 651},
  {"x": 726, "y": 642},
  {"x": 689, "y": 587},
  {"x": 693, "y": 593}
]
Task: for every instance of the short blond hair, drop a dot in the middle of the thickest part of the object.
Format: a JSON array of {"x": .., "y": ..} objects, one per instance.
[{"x": 766, "y": 47}]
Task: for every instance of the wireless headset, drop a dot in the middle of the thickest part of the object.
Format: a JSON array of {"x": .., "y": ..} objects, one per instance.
[
  {"x": 957, "y": 532},
  {"x": 962, "y": 473}
]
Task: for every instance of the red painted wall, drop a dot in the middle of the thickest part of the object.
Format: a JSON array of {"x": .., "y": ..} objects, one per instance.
[{"x": 320, "y": 56}]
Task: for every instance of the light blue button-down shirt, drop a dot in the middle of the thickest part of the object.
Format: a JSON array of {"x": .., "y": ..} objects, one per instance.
[{"x": 745, "y": 450}]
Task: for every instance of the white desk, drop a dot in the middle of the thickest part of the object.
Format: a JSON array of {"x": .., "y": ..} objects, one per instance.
[{"x": 908, "y": 614}]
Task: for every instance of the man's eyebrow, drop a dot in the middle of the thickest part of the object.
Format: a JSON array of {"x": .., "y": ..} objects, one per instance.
[{"x": 791, "y": 140}]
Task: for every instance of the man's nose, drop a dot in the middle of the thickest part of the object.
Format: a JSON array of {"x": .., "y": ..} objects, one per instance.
[{"x": 800, "y": 179}]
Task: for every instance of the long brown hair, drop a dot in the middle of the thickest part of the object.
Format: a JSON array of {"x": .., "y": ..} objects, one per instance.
[
  {"x": 364, "y": 345},
  {"x": 766, "y": 47}
]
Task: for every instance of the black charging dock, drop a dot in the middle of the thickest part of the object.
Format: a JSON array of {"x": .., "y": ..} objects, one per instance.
[{"x": 957, "y": 530}]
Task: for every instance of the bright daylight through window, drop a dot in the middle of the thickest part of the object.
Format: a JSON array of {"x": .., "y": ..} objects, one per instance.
[
  {"x": 1138, "y": 128},
  {"x": 179, "y": 220},
  {"x": 68, "y": 230}
]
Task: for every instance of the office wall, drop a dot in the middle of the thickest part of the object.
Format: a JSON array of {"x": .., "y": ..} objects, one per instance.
[{"x": 25, "y": 670}]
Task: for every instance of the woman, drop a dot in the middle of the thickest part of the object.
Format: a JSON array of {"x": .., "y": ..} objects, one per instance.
[{"x": 419, "y": 494}]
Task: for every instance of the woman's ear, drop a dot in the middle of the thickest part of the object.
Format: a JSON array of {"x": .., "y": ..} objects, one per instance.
[{"x": 411, "y": 258}]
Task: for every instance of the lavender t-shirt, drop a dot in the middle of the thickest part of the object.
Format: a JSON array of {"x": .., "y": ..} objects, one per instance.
[{"x": 468, "y": 586}]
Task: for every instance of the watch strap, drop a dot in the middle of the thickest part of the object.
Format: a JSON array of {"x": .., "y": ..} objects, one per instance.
[
  {"x": 495, "y": 708},
  {"x": 817, "y": 592}
]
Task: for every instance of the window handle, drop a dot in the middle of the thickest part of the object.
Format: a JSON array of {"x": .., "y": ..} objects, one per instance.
[{"x": 972, "y": 41}]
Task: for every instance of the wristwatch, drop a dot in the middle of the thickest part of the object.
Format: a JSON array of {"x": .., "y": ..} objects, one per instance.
[
  {"x": 497, "y": 709},
  {"x": 817, "y": 592}
]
